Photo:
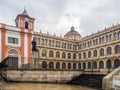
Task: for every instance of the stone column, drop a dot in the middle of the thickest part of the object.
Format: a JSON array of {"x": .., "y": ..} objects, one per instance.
[
  {"x": 47, "y": 53},
  {"x": 86, "y": 64},
  {"x": 113, "y": 50},
  {"x": 112, "y": 63},
  {"x": 104, "y": 64},
  {"x": 35, "y": 59},
  {"x": 98, "y": 64},
  {"x": 81, "y": 65}
]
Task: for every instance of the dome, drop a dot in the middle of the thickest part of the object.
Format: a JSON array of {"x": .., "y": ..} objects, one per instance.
[{"x": 72, "y": 34}]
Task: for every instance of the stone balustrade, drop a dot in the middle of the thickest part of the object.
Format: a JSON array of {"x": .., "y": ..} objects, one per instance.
[{"x": 108, "y": 80}]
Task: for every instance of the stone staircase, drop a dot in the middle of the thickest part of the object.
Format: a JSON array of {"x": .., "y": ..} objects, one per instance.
[{"x": 90, "y": 80}]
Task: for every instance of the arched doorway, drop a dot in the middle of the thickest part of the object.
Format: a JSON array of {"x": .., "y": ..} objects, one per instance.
[
  {"x": 89, "y": 65},
  {"x": 63, "y": 66},
  {"x": 101, "y": 64},
  {"x": 84, "y": 66},
  {"x": 13, "y": 55},
  {"x": 94, "y": 65},
  {"x": 69, "y": 65},
  {"x": 44, "y": 65},
  {"x": 57, "y": 65},
  {"x": 79, "y": 66},
  {"x": 116, "y": 63},
  {"x": 108, "y": 64},
  {"x": 51, "y": 65},
  {"x": 74, "y": 66}
]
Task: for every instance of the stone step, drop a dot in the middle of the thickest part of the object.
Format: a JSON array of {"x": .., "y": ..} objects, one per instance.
[{"x": 89, "y": 80}]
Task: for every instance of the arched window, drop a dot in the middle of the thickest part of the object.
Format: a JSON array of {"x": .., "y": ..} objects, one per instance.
[
  {"x": 44, "y": 65},
  {"x": 101, "y": 52},
  {"x": 106, "y": 38},
  {"x": 109, "y": 51},
  {"x": 102, "y": 40},
  {"x": 115, "y": 36},
  {"x": 38, "y": 41},
  {"x": 84, "y": 55},
  {"x": 49, "y": 42},
  {"x": 52, "y": 43},
  {"x": 69, "y": 65},
  {"x": 51, "y": 65},
  {"x": 68, "y": 45},
  {"x": 74, "y": 66},
  {"x": 110, "y": 37},
  {"x": 63, "y": 65},
  {"x": 63, "y": 55},
  {"x": 117, "y": 49},
  {"x": 96, "y": 41},
  {"x": 79, "y": 55},
  {"x": 69, "y": 55},
  {"x": 57, "y": 65},
  {"x": 94, "y": 65},
  {"x": 108, "y": 64},
  {"x": 42, "y": 41},
  {"x": 74, "y": 56},
  {"x": 119, "y": 35},
  {"x": 79, "y": 66},
  {"x": 51, "y": 53},
  {"x": 57, "y": 54},
  {"x": 44, "y": 53},
  {"x": 12, "y": 52},
  {"x": 89, "y": 65},
  {"x": 116, "y": 63},
  {"x": 89, "y": 54},
  {"x": 95, "y": 53},
  {"x": 26, "y": 25},
  {"x": 46, "y": 42},
  {"x": 101, "y": 64}
]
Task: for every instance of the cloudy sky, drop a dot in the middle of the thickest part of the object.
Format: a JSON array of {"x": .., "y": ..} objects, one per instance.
[{"x": 57, "y": 16}]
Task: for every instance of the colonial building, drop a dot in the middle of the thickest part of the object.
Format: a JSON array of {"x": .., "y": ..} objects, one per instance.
[{"x": 98, "y": 52}]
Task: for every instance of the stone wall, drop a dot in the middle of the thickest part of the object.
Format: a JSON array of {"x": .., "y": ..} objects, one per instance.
[{"x": 41, "y": 75}]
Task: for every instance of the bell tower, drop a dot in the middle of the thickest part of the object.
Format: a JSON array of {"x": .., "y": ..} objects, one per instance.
[{"x": 24, "y": 21}]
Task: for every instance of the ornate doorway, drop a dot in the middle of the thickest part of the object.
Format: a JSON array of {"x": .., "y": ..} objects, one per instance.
[{"x": 12, "y": 55}]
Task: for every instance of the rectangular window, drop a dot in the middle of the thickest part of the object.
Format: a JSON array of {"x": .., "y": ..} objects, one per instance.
[{"x": 13, "y": 40}]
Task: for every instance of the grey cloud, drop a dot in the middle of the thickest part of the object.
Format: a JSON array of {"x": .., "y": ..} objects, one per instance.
[{"x": 58, "y": 15}]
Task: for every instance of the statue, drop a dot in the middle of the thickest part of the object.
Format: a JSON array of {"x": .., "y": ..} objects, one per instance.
[{"x": 34, "y": 48}]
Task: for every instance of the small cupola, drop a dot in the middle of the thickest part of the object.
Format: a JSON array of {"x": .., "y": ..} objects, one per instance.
[
  {"x": 23, "y": 20},
  {"x": 72, "y": 28}
]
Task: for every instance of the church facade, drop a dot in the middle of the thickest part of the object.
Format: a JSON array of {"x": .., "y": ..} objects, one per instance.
[
  {"x": 16, "y": 40},
  {"x": 99, "y": 52}
]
